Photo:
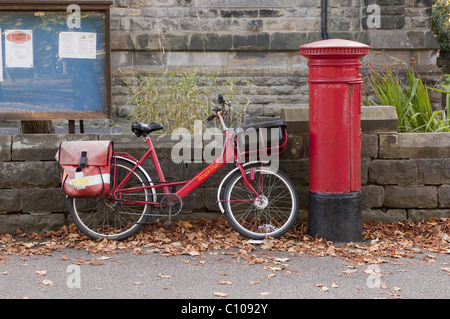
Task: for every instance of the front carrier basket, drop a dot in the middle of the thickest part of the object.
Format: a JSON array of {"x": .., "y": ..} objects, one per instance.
[{"x": 261, "y": 141}]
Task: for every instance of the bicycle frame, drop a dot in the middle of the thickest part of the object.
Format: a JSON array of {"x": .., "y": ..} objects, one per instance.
[{"x": 187, "y": 186}]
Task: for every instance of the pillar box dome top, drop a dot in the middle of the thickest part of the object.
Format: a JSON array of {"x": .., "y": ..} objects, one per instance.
[{"x": 334, "y": 47}]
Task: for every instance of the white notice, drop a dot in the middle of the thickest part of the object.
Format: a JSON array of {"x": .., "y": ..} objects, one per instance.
[
  {"x": 19, "y": 48},
  {"x": 78, "y": 45}
]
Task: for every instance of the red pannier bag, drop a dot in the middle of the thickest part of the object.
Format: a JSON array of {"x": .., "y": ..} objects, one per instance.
[{"x": 87, "y": 167}]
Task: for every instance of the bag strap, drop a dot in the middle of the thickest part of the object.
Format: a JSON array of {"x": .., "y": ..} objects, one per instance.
[{"x": 83, "y": 161}]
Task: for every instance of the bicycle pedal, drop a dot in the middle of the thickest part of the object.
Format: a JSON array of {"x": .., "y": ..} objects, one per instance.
[{"x": 168, "y": 224}]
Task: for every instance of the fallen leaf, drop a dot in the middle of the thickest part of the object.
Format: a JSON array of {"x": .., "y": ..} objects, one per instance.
[
  {"x": 254, "y": 282},
  {"x": 265, "y": 293},
  {"x": 103, "y": 258},
  {"x": 350, "y": 271},
  {"x": 224, "y": 282},
  {"x": 163, "y": 275},
  {"x": 220, "y": 294},
  {"x": 446, "y": 269},
  {"x": 194, "y": 253},
  {"x": 137, "y": 283},
  {"x": 41, "y": 272},
  {"x": 47, "y": 282},
  {"x": 333, "y": 285},
  {"x": 281, "y": 260}
]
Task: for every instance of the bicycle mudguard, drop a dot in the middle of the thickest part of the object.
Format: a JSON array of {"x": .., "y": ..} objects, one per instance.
[
  {"x": 225, "y": 179},
  {"x": 87, "y": 167}
]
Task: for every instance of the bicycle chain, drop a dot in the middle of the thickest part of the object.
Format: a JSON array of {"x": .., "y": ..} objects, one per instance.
[{"x": 164, "y": 195}]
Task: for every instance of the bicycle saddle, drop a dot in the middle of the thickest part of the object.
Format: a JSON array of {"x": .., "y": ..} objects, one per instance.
[{"x": 145, "y": 129}]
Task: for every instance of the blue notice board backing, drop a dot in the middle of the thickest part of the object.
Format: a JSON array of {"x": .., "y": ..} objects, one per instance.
[{"x": 51, "y": 70}]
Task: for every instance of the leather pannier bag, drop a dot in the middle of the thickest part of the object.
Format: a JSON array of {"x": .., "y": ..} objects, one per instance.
[{"x": 87, "y": 167}]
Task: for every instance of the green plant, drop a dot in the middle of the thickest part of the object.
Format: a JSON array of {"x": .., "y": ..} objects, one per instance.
[
  {"x": 440, "y": 21},
  {"x": 409, "y": 97},
  {"x": 177, "y": 100}
]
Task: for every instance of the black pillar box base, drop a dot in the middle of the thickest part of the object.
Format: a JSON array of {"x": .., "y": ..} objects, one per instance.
[{"x": 335, "y": 216}]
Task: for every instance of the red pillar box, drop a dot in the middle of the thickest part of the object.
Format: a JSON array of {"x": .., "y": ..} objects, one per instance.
[{"x": 335, "y": 203}]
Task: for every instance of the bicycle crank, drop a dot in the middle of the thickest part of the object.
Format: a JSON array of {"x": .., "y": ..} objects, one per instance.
[{"x": 170, "y": 205}]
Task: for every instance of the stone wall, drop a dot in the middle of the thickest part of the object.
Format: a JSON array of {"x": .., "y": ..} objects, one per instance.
[
  {"x": 256, "y": 42},
  {"x": 404, "y": 176}
]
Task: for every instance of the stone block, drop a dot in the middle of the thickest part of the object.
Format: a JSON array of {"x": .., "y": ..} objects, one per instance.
[
  {"x": 424, "y": 214},
  {"x": 379, "y": 118},
  {"x": 380, "y": 216},
  {"x": 444, "y": 196},
  {"x": 258, "y": 59},
  {"x": 297, "y": 119},
  {"x": 414, "y": 145},
  {"x": 43, "y": 200},
  {"x": 197, "y": 59},
  {"x": 372, "y": 196},
  {"x": 29, "y": 175},
  {"x": 410, "y": 197},
  {"x": 365, "y": 163},
  {"x": 210, "y": 42},
  {"x": 5, "y": 148},
  {"x": 297, "y": 147},
  {"x": 251, "y": 42},
  {"x": 434, "y": 171},
  {"x": 31, "y": 223},
  {"x": 392, "y": 39},
  {"x": 369, "y": 145},
  {"x": 42, "y": 147},
  {"x": 393, "y": 172},
  {"x": 373, "y": 118},
  {"x": 10, "y": 200},
  {"x": 121, "y": 40},
  {"x": 283, "y": 41}
]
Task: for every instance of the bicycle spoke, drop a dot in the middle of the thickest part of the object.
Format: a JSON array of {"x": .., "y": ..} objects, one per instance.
[
  {"x": 109, "y": 217},
  {"x": 272, "y": 212}
]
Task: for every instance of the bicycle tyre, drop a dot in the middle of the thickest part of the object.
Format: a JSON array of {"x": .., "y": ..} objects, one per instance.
[
  {"x": 104, "y": 217},
  {"x": 272, "y": 216}
]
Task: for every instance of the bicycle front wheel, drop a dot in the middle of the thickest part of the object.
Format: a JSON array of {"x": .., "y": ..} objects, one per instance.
[
  {"x": 108, "y": 217},
  {"x": 271, "y": 214}
]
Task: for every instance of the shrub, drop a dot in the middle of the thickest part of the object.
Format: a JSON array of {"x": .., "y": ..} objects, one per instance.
[
  {"x": 440, "y": 20},
  {"x": 177, "y": 100},
  {"x": 409, "y": 97}
]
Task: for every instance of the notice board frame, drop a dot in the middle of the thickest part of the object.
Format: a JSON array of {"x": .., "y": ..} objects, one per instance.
[{"x": 101, "y": 7}]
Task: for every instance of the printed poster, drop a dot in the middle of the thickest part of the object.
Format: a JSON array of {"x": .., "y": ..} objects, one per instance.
[
  {"x": 78, "y": 45},
  {"x": 19, "y": 48}
]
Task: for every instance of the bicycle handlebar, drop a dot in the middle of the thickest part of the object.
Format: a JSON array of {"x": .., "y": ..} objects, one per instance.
[{"x": 222, "y": 102}]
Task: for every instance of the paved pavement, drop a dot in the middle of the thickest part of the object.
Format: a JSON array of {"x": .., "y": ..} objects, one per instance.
[{"x": 219, "y": 277}]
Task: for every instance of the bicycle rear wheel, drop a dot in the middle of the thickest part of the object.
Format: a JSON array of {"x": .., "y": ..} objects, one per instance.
[
  {"x": 271, "y": 215},
  {"x": 106, "y": 217}
]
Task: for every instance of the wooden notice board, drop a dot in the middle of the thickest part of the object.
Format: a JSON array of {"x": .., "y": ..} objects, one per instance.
[{"x": 55, "y": 60}]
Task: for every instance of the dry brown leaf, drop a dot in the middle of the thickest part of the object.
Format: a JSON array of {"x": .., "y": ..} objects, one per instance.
[
  {"x": 220, "y": 294},
  {"x": 446, "y": 269},
  {"x": 47, "y": 282}
]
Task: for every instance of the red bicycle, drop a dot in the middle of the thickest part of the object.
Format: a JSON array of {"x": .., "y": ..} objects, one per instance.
[{"x": 257, "y": 200}]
